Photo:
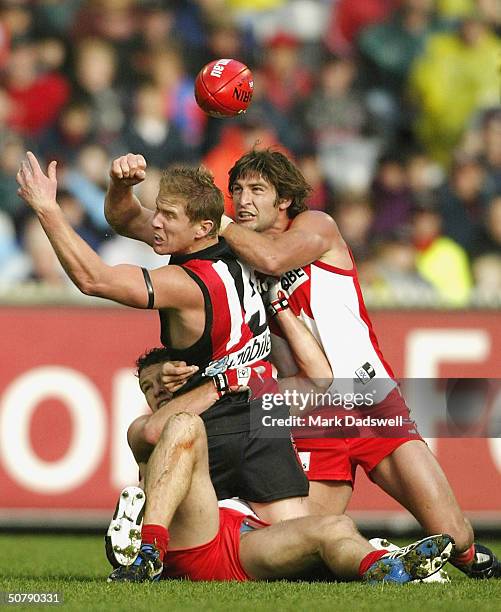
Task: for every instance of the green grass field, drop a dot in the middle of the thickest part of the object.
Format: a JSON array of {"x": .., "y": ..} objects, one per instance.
[{"x": 76, "y": 567}]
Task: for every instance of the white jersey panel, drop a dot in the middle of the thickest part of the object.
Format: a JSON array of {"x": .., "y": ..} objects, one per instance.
[
  {"x": 334, "y": 317},
  {"x": 341, "y": 330}
]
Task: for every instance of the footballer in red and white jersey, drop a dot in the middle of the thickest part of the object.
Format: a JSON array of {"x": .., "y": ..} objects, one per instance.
[{"x": 329, "y": 301}]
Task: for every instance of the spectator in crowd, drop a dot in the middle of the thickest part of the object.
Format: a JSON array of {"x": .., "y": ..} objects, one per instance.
[
  {"x": 399, "y": 278},
  {"x": 456, "y": 75},
  {"x": 349, "y": 17},
  {"x": 489, "y": 9},
  {"x": 73, "y": 130},
  {"x": 487, "y": 277},
  {"x": 462, "y": 202},
  {"x": 96, "y": 63},
  {"x": 87, "y": 180},
  {"x": 439, "y": 260},
  {"x": 491, "y": 153},
  {"x": 52, "y": 54},
  {"x": 390, "y": 47},
  {"x": 14, "y": 264},
  {"x": 27, "y": 85},
  {"x": 423, "y": 178},
  {"x": 391, "y": 197},
  {"x": 321, "y": 194},
  {"x": 335, "y": 111},
  {"x": 488, "y": 239},
  {"x": 149, "y": 130},
  {"x": 180, "y": 109},
  {"x": 286, "y": 80},
  {"x": 287, "y": 126},
  {"x": 56, "y": 17},
  {"x": 354, "y": 217},
  {"x": 336, "y": 117},
  {"x": 11, "y": 153},
  {"x": 17, "y": 24}
]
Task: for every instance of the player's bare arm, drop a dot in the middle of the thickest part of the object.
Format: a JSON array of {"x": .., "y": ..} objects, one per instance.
[
  {"x": 309, "y": 357},
  {"x": 124, "y": 284},
  {"x": 122, "y": 209},
  {"x": 312, "y": 235},
  {"x": 195, "y": 401}
]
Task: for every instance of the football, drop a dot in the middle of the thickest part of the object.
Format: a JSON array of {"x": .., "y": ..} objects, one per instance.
[{"x": 223, "y": 88}]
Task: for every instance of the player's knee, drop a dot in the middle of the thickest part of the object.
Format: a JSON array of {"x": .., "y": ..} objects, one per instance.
[
  {"x": 135, "y": 432},
  {"x": 185, "y": 428},
  {"x": 338, "y": 526}
]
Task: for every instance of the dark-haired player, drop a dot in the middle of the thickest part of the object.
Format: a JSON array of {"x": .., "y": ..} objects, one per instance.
[
  {"x": 277, "y": 235},
  {"x": 186, "y": 535}
]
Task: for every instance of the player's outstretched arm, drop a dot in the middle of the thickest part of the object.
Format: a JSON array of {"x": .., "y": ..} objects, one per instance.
[
  {"x": 123, "y": 283},
  {"x": 122, "y": 208},
  {"x": 310, "y": 235}
]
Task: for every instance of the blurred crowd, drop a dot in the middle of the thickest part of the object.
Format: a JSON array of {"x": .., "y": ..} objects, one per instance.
[{"x": 391, "y": 108}]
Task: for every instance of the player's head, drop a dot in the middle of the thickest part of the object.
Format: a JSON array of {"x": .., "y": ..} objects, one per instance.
[
  {"x": 189, "y": 210},
  {"x": 265, "y": 184},
  {"x": 149, "y": 372}
]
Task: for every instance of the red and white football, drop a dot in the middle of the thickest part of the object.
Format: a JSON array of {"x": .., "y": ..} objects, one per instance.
[{"x": 223, "y": 88}]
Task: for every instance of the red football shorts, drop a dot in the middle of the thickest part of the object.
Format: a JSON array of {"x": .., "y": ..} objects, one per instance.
[
  {"x": 219, "y": 559},
  {"x": 338, "y": 458}
]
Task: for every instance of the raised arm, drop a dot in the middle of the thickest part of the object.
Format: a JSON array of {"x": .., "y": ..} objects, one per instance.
[
  {"x": 310, "y": 235},
  {"x": 122, "y": 208},
  {"x": 123, "y": 283}
]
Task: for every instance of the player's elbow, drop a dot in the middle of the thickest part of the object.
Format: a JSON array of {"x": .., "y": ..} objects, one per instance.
[
  {"x": 86, "y": 285},
  {"x": 273, "y": 265},
  {"x": 115, "y": 223}
]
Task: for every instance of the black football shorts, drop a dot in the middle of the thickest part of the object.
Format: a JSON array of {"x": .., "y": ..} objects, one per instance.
[{"x": 245, "y": 464}]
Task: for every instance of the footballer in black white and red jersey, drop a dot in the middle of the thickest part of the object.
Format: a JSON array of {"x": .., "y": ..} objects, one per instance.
[{"x": 236, "y": 335}]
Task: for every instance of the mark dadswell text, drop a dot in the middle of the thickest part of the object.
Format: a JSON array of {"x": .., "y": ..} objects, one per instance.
[{"x": 315, "y": 420}]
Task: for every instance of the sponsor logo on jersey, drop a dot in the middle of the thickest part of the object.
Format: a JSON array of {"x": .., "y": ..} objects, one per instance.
[
  {"x": 291, "y": 280},
  {"x": 255, "y": 349},
  {"x": 365, "y": 373},
  {"x": 217, "y": 367}
]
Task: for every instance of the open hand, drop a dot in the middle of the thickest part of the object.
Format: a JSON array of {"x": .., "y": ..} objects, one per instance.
[
  {"x": 36, "y": 188},
  {"x": 175, "y": 374},
  {"x": 128, "y": 170}
]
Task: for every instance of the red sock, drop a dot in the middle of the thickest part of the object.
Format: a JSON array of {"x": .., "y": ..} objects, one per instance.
[
  {"x": 464, "y": 558},
  {"x": 369, "y": 559},
  {"x": 157, "y": 535}
]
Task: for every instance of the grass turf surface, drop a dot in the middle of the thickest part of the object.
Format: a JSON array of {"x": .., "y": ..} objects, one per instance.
[{"x": 76, "y": 567}]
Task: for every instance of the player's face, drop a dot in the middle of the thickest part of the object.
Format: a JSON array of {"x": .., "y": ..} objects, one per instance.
[
  {"x": 150, "y": 381},
  {"x": 173, "y": 232},
  {"x": 255, "y": 202}
]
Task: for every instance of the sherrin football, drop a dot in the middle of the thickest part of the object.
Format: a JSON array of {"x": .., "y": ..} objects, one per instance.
[{"x": 223, "y": 88}]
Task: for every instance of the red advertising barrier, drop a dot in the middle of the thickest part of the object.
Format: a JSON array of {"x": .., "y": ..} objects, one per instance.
[{"x": 68, "y": 393}]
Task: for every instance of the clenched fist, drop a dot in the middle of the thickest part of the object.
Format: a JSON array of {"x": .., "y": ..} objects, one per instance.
[{"x": 128, "y": 170}]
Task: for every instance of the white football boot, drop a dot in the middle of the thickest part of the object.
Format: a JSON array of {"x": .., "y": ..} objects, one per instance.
[{"x": 123, "y": 538}]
